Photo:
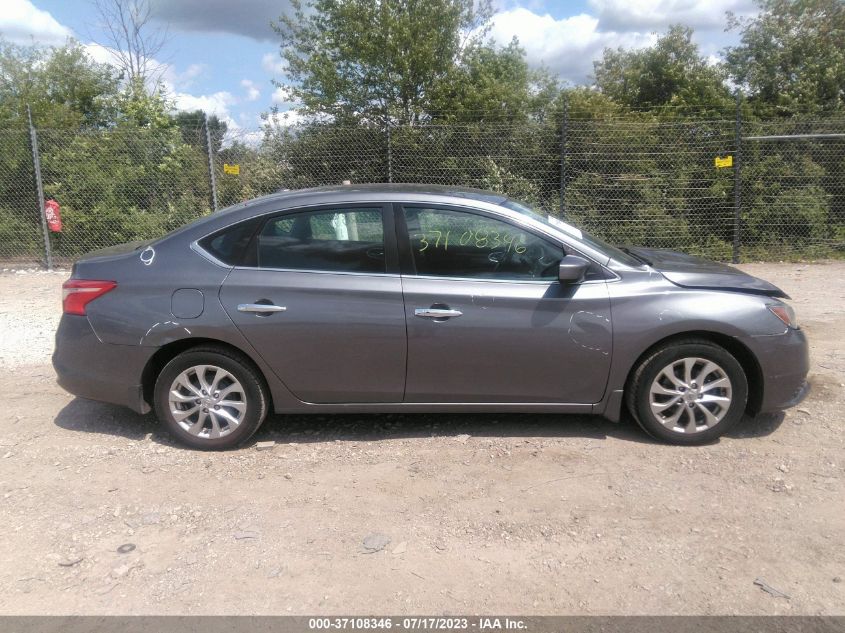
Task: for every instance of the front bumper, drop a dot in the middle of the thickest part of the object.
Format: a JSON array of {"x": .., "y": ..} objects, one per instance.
[
  {"x": 89, "y": 368},
  {"x": 784, "y": 361}
]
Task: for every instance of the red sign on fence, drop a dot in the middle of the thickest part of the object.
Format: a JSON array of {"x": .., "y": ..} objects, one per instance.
[{"x": 54, "y": 215}]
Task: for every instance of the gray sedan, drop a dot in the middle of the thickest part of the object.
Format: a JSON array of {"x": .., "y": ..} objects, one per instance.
[{"x": 404, "y": 298}]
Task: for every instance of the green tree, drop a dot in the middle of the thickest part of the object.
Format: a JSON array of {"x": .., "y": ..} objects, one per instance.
[
  {"x": 792, "y": 55},
  {"x": 494, "y": 84},
  {"x": 63, "y": 86},
  {"x": 375, "y": 61},
  {"x": 111, "y": 153},
  {"x": 672, "y": 72},
  {"x": 193, "y": 129},
  {"x": 65, "y": 90}
]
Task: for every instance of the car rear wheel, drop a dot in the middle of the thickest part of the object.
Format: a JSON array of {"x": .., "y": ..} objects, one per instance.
[
  {"x": 210, "y": 398},
  {"x": 688, "y": 392}
]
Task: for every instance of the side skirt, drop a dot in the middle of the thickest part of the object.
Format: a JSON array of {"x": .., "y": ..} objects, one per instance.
[{"x": 441, "y": 407}]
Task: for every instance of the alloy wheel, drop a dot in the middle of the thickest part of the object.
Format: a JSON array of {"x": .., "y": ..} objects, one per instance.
[
  {"x": 690, "y": 395},
  {"x": 207, "y": 401}
]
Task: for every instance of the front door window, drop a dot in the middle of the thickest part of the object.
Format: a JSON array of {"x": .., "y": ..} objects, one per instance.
[{"x": 447, "y": 243}]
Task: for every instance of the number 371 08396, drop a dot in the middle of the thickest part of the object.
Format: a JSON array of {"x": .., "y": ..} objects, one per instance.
[{"x": 481, "y": 239}]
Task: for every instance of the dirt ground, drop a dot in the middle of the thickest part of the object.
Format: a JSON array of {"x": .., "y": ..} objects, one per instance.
[{"x": 525, "y": 514}]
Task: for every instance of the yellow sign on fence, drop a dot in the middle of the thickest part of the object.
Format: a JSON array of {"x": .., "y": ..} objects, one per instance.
[
  {"x": 726, "y": 161},
  {"x": 235, "y": 170}
]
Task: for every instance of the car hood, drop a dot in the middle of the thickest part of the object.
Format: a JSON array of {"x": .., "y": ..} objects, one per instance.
[{"x": 689, "y": 271}]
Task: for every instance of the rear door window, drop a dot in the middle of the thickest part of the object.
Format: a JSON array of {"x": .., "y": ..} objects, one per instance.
[{"x": 336, "y": 240}]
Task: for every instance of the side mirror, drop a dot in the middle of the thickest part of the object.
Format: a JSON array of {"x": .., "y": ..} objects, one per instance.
[{"x": 572, "y": 269}]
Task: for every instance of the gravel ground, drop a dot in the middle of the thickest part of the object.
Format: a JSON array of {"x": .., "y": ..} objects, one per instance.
[{"x": 528, "y": 514}]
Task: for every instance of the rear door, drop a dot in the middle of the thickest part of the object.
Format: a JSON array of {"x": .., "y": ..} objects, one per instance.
[
  {"x": 320, "y": 299},
  {"x": 488, "y": 320}
]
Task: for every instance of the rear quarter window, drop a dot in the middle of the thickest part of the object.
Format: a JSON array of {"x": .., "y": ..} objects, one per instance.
[{"x": 229, "y": 245}]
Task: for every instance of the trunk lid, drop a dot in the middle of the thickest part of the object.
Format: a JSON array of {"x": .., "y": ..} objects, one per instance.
[
  {"x": 103, "y": 263},
  {"x": 689, "y": 271},
  {"x": 116, "y": 250}
]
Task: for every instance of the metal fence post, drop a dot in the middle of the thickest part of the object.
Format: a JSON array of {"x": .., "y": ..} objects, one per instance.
[
  {"x": 39, "y": 187},
  {"x": 389, "y": 154},
  {"x": 563, "y": 129},
  {"x": 212, "y": 179},
  {"x": 737, "y": 180}
]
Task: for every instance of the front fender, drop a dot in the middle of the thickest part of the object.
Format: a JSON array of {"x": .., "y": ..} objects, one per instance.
[{"x": 648, "y": 309}]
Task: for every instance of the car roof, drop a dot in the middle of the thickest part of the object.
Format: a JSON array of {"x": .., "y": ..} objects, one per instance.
[
  {"x": 400, "y": 188},
  {"x": 373, "y": 191}
]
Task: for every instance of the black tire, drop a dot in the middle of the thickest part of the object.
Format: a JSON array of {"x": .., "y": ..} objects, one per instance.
[
  {"x": 254, "y": 394},
  {"x": 638, "y": 393}
]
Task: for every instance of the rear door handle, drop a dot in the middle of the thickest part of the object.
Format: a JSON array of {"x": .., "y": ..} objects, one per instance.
[
  {"x": 437, "y": 313},
  {"x": 260, "y": 307}
]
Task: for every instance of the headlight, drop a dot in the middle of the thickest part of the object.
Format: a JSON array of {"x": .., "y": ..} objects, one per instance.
[{"x": 785, "y": 313}]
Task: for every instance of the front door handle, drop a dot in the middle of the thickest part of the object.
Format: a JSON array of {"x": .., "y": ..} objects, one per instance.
[
  {"x": 260, "y": 307},
  {"x": 437, "y": 313}
]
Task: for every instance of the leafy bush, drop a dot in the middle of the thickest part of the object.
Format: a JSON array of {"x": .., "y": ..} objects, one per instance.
[{"x": 24, "y": 233}]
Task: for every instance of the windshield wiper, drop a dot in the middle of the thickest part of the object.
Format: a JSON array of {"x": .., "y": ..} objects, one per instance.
[{"x": 628, "y": 251}]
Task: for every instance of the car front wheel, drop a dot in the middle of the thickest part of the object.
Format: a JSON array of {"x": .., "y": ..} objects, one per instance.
[
  {"x": 210, "y": 398},
  {"x": 688, "y": 392}
]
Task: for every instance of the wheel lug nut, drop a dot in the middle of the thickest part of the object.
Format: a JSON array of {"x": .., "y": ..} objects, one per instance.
[
  {"x": 205, "y": 409},
  {"x": 691, "y": 405},
  {"x": 216, "y": 406},
  {"x": 197, "y": 401},
  {"x": 216, "y": 394},
  {"x": 694, "y": 386},
  {"x": 682, "y": 389}
]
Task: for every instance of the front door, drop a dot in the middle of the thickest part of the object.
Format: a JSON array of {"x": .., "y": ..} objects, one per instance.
[
  {"x": 488, "y": 320},
  {"x": 321, "y": 306}
]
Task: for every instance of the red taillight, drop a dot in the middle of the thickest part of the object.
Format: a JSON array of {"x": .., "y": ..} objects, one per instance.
[{"x": 77, "y": 293}]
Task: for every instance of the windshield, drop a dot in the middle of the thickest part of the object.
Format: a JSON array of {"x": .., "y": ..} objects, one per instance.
[{"x": 603, "y": 247}]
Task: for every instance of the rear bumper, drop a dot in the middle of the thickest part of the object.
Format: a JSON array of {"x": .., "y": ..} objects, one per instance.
[
  {"x": 89, "y": 368},
  {"x": 784, "y": 361}
]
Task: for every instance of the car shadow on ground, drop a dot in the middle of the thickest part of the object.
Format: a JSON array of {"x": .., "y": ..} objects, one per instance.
[
  {"x": 758, "y": 426},
  {"x": 87, "y": 416}
]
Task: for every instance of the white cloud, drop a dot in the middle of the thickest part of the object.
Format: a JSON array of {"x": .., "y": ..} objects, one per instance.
[
  {"x": 248, "y": 136},
  {"x": 287, "y": 118},
  {"x": 185, "y": 78},
  {"x": 176, "y": 83},
  {"x": 252, "y": 91},
  {"x": 99, "y": 53},
  {"x": 22, "y": 23},
  {"x": 274, "y": 64},
  {"x": 155, "y": 70},
  {"x": 173, "y": 79},
  {"x": 217, "y": 103},
  {"x": 648, "y": 15},
  {"x": 566, "y": 46},
  {"x": 281, "y": 96}
]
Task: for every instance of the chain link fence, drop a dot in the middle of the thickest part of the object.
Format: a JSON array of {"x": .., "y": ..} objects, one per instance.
[
  {"x": 721, "y": 188},
  {"x": 793, "y": 188}
]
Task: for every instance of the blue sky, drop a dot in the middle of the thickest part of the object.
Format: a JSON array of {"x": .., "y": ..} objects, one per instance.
[{"x": 222, "y": 54}]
